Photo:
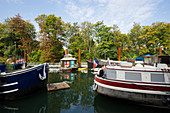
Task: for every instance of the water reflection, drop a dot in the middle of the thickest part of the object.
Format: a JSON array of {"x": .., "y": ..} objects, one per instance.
[
  {"x": 59, "y": 77},
  {"x": 105, "y": 104},
  {"x": 67, "y": 76},
  {"x": 79, "y": 98},
  {"x": 36, "y": 103}
]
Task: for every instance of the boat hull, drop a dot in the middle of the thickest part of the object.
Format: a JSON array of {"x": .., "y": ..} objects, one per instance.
[
  {"x": 3, "y": 68},
  {"x": 140, "y": 96},
  {"x": 23, "y": 83},
  {"x": 65, "y": 70}
]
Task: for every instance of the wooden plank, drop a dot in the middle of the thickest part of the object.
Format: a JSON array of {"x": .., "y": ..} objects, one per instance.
[{"x": 57, "y": 86}]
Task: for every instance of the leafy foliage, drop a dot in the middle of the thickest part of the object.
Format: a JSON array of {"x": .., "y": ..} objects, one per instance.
[
  {"x": 95, "y": 39},
  {"x": 51, "y": 36},
  {"x": 16, "y": 35}
]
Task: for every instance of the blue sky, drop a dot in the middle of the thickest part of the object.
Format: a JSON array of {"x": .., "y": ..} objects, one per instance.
[{"x": 120, "y": 12}]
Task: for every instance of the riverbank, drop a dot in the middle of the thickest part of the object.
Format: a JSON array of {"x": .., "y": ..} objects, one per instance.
[{"x": 54, "y": 67}]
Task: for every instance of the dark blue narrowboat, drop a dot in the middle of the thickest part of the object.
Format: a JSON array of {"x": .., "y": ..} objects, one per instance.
[
  {"x": 3, "y": 68},
  {"x": 23, "y": 82}
]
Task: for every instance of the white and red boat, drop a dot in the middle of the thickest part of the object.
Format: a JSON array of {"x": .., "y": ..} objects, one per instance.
[{"x": 143, "y": 84}]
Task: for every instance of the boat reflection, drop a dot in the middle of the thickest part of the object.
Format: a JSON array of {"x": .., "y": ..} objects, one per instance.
[
  {"x": 37, "y": 103},
  {"x": 80, "y": 96},
  {"x": 105, "y": 104},
  {"x": 67, "y": 76}
]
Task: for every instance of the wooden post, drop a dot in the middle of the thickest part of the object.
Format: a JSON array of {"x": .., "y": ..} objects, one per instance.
[
  {"x": 160, "y": 51},
  {"x": 119, "y": 54},
  {"x": 79, "y": 58},
  {"x": 25, "y": 57}
]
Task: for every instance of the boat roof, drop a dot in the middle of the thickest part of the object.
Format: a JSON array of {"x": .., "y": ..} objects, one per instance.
[
  {"x": 68, "y": 59},
  {"x": 113, "y": 61},
  {"x": 148, "y": 56}
]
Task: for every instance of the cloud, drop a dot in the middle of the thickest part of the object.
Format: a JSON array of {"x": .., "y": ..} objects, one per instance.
[
  {"x": 124, "y": 13},
  {"x": 120, "y": 12},
  {"x": 82, "y": 13}
]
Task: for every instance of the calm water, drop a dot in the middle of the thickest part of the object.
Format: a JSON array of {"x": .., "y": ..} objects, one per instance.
[{"x": 80, "y": 98}]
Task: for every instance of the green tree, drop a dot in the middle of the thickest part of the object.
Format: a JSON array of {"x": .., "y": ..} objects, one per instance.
[
  {"x": 87, "y": 35},
  {"x": 82, "y": 38},
  {"x": 156, "y": 36},
  {"x": 110, "y": 39},
  {"x": 7, "y": 46},
  {"x": 70, "y": 31},
  {"x": 98, "y": 27},
  {"x": 35, "y": 55},
  {"x": 135, "y": 39},
  {"x": 16, "y": 35},
  {"x": 51, "y": 36}
]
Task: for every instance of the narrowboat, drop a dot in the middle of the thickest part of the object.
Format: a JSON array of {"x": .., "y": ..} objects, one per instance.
[
  {"x": 23, "y": 82},
  {"x": 142, "y": 84}
]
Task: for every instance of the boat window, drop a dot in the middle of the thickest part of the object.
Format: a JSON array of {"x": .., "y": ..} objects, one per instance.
[
  {"x": 132, "y": 76},
  {"x": 111, "y": 74},
  {"x": 157, "y": 77}
]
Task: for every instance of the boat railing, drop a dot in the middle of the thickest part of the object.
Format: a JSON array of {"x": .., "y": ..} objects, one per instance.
[{"x": 37, "y": 63}]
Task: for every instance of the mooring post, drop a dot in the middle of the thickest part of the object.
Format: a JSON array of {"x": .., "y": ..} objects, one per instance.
[
  {"x": 160, "y": 51},
  {"x": 79, "y": 58},
  {"x": 25, "y": 57},
  {"x": 119, "y": 54}
]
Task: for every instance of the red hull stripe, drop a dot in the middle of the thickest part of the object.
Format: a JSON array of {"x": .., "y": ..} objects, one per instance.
[
  {"x": 148, "y": 83},
  {"x": 66, "y": 69},
  {"x": 131, "y": 85}
]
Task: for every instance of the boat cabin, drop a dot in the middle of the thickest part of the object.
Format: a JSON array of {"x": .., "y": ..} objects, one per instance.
[
  {"x": 68, "y": 61},
  {"x": 151, "y": 59}
]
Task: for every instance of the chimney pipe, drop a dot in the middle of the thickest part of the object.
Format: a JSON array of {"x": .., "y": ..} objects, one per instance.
[{"x": 65, "y": 51}]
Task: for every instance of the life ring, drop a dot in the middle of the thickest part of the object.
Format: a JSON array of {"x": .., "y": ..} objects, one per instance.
[{"x": 44, "y": 74}]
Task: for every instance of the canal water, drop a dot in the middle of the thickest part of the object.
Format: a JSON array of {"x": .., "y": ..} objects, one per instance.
[{"x": 80, "y": 98}]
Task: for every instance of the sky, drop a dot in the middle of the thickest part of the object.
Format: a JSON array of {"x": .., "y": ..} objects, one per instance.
[{"x": 123, "y": 13}]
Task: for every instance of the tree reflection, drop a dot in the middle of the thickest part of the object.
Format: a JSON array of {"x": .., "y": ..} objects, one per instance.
[
  {"x": 36, "y": 103},
  {"x": 80, "y": 93}
]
